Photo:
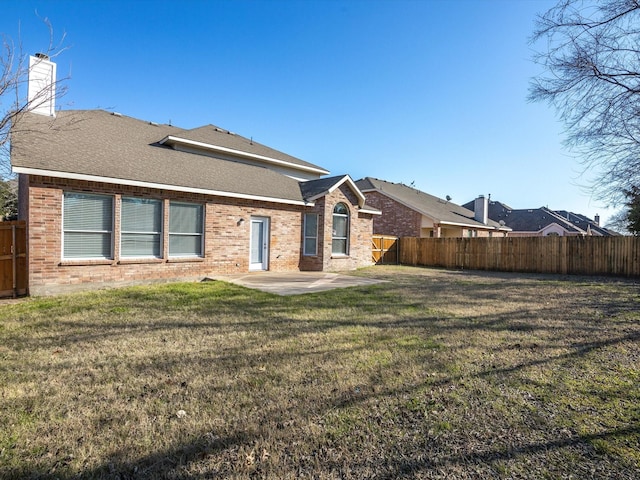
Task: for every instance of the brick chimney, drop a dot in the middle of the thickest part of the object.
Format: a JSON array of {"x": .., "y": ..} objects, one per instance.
[
  {"x": 481, "y": 209},
  {"x": 42, "y": 85},
  {"x": 596, "y": 220}
]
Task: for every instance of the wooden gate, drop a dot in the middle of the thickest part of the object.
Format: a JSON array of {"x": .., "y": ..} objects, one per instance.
[
  {"x": 385, "y": 249},
  {"x": 13, "y": 259}
]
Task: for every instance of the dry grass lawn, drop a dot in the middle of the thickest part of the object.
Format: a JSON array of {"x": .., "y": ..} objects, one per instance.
[{"x": 436, "y": 374}]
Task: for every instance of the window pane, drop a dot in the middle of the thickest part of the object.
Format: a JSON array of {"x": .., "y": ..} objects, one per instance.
[
  {"x": 310, "y": 246},
  {"x": 186, "y": 223},
  {"x": 310, "y": 224},
  {"x": 141, "y": 225},
  {"x": 340, "y": 233},
  {"x": 141, "y": 215},
  {"x": 339, "y": 246},
  {"x": 185, "y": 218},
  {"x": 87, "y": 245},
  {"x": 87, "y": 212},
  {"x": 140, "y": 244},
  {"x": 87, "y": 225},
  {"x": 340, "y": 226},
  {"x": 341, "y": 208},
  {"x": 186, "y": 245}
]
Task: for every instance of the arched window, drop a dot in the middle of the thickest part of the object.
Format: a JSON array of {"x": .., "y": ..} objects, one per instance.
[{"x": 340, "y": 236}]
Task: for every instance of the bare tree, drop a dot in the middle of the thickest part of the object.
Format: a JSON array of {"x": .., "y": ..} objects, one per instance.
[
  {"x": 591, "y": 62},
  {"x": 618, "y": 221},
  {"x": 14, "y": 102}
]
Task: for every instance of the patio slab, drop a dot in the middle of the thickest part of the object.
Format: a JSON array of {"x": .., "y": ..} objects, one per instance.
[{"x": 294, "y": 283}]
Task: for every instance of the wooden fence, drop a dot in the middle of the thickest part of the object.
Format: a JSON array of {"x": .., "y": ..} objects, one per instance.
[
  {"x": 13, "y": 259},
  {"x": 385, "y": 249},
  {"x": 618, "y": 256}
]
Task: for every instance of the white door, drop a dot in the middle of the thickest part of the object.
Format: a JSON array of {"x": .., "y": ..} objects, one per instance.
[{"x": 259, "y": 259}]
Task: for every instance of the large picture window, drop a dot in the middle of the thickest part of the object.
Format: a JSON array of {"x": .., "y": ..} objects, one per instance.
[
  {"x": 310, "y": 234},
  {"x": 141, "y": 228},
  {"x": 186, "y": 221},
  {"x": 340, "y": 236},
  {"x": 87, "y": 226}
]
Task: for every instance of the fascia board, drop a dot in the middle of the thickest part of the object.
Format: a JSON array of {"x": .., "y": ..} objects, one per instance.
[
  {"x": 477, "y": 227},
  {"x": 161, "y": 186},
  {"x": 170, "y": 139},
  {"x": 371, "y": 212},
  {"x": 467, "y": 225}
]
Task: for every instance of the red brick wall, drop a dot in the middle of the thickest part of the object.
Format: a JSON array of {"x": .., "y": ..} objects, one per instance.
[
  {"x": 396, "y": 219},
  {"x": 226, "y": 247},
  {"x": 360, "y": 231}
]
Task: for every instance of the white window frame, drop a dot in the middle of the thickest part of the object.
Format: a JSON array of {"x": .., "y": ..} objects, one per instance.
[
  {"x": 158, "y": 234},
  {"x": 306, "y": 237},
  {"x": 200, "y": 234},
  {"x": 103, "y": 232},
  {"x": 334, "y": 237}
]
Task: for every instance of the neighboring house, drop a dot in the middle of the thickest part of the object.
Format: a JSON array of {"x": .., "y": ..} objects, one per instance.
[
  {"x": 540, "y": 222},
  {"x": 110, "y": 199},
  {"x": 408, "y": 212}
]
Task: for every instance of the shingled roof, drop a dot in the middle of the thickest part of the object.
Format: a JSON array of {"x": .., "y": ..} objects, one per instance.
[
  {"x": 440, "y": 210},
  {"x": 102, "y": 146},
  {"x": 536, "y": 219}
]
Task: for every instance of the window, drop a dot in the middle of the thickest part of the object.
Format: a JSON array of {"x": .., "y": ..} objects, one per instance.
[
  {"x": 340, "y": 237},
  {"x": 185, "y": 229},
  {"x": 310, "y": 234},
  {"x": 87, "y": 226},
  {"x": 141, "y": 228}
]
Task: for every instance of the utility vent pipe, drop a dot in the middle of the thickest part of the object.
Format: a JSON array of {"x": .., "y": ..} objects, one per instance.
[{"x": 481, "y": 210}]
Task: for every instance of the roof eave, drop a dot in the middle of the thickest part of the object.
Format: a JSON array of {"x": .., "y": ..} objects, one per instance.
[
  {"x": 161, "y": 186},
  {"x": 371, "y": 211}
]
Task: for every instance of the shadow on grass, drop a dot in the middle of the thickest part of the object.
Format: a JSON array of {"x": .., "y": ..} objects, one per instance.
[{"x": 405, "y": 305}]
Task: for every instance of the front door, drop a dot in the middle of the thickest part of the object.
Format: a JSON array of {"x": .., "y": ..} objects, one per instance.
[{"x": 259, "y": 259}]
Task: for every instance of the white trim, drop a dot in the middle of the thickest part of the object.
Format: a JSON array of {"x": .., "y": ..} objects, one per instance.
[
  {"x": 371, "y": 212},
  {"x": 203, "y": 226},
  {"x": 128, "y": 232},
  {"x": 175, "y": 188},
  {"x": 112, "y": 232},
  {"x": 265, "y": 225},
  {"x": 474, "y": 227},
  {"x": 352, "y": 184},
  {"x": 177, "y": 140},
  {"x": 305, "y": 236}
]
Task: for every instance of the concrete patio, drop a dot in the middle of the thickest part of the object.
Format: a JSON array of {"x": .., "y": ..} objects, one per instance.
[{"x": 294, "y": 283}]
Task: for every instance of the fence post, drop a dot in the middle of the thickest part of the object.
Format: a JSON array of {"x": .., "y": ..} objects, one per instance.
[{"x": 14, "y": 262}]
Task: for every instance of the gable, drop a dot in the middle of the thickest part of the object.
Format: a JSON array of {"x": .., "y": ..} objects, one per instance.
[{"x": 315, "y": 189}]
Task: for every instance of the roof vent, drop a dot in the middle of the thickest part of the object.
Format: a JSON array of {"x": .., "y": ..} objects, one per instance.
[{"x": 116, "y": 114}]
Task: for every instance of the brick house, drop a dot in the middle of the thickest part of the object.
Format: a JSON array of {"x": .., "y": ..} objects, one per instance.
[
  {"x": 408, "y": 212},
  {"x": 113, "y": 200}
]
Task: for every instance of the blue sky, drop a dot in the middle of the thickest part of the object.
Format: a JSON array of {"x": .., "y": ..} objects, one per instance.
[{"x": 425, "y": 91}]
